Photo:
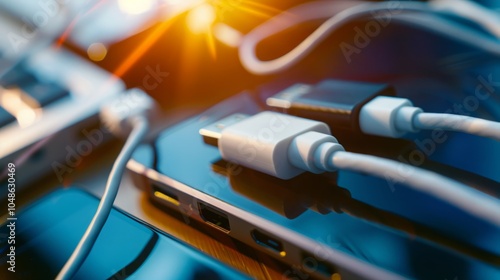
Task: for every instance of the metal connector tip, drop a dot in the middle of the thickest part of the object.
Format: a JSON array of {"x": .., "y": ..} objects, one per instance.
[{"x": 212, "y": 133}]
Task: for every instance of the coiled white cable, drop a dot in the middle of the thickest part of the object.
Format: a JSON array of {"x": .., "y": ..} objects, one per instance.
[{"x": 299, "y": 15}]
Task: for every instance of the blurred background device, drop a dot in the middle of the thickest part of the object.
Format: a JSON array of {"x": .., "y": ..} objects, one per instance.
[{"x": 49, "y": 96}]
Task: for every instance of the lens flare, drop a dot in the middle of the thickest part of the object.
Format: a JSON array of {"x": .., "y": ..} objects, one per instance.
[
  {"x": 97, "y": 51},
  {"x": 135, "y": 7},
  {"x": 201, "y": 18}
]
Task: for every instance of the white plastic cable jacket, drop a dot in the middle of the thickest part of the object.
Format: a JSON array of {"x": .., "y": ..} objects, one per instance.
[
  {"x": 296, "y": 16},
  {"x": 299, "y": 145},
  {"x": 390, "y": 116},
  {"x": 459, "y": 123},
  {"x": 140, "y": 128},
  {"x": 474, "y": 202},
  {"x": 315, "y": 152},
  {"x": 475, "y": 12}
]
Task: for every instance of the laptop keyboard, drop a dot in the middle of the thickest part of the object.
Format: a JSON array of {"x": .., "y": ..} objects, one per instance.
[
  {"x": 51, "y": 94},
  {"x": 17, "y": 75},
  {"x": 33, "y": 91},
  {"x": 44, "y": 93}
]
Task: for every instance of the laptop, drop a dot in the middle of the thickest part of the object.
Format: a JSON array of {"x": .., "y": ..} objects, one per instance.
[{"x": 49, "y": 96}]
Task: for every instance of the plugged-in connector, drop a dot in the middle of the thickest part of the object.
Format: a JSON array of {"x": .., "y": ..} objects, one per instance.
[
  {"x": 212, "y": 133},
  {"x": 334, "y": 102},
  {"x": 372, "y": 109},
  {"x": 262, "y": 141},
  {"x": 388, "y": 117},
  {"x": 394, "y": 116},
  {"x": 126, "y": 115},
  {"x": 118, "y": 114},
  {"x": 284, "y": 146}
]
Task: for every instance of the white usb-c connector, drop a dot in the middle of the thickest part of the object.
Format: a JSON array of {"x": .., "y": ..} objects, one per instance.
[
  {"x": 285, "y": 146},
  {"x": 394, "y": 116}
]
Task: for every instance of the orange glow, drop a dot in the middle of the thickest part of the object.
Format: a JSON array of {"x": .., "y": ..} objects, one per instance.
[
  {"x": 142, "y": 48},
  {"x": 254, "y": 11},
  {"x": 211, "y": 44},
  {"x": 66, "y": 33},
  {"x": 224, "y": 7},
  {"x": 263, "y": 7},
  {"x": 200, "y": 21},
  {"x": 201, "y": 18},
  {"x": 97, "y": 51},
  {"x": 190, "y": 55},
  {"x": 227, "y": 35},
  {"x": 250, "y": 7},
  {"x": 336, "y": 276}
]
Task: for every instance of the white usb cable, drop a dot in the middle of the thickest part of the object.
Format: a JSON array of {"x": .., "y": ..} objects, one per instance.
[
  {"x": 126, "y": 115},
  {"x": 382, "y": 10},
  {"x": 394, "y": 116},
  {"x": 285, "y": 146}
]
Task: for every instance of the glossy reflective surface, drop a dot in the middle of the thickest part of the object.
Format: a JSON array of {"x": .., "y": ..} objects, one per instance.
[
  {"x": 384, "y": 224},
  {"x": 48, "y": 231}
]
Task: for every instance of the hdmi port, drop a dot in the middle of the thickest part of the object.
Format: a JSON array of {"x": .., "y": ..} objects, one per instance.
[
  {"x": 214, "y": 217},
  {"x": 268, "y": 242}
]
